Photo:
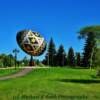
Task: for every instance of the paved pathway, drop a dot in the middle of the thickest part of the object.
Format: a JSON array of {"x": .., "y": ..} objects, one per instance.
[{"x": 19, "y": 74}]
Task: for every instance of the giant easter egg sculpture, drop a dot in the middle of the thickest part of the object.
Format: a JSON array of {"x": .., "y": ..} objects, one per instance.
[{"x": 31, "y": 42}]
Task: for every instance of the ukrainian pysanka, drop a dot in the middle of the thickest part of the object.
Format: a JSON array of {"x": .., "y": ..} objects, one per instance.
[{"x": 31, "y": 42}]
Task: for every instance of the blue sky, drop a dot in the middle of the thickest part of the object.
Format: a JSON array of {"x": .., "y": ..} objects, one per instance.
[{"x": 60, "y": 19}]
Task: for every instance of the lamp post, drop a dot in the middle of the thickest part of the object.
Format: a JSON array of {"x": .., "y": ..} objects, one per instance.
[
  {"x": 48, "y": 59},
  {"x": 63, "y": 58},
  {"x": 15, "y": 51}
]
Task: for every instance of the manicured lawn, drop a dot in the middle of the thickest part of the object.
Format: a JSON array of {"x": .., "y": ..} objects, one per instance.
[
  {"x": 53, "y": 84},
  {"x": 4, "y": 72}
]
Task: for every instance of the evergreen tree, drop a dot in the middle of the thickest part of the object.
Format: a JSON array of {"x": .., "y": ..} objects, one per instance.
[
  {"x": 92, "y": 36},
  {"x": 51, "y": 54},
  {"x": 61, "y": 56},
  {"x": 96, "y": 58},
  {"x": 88, "y": 50},
  {"x": 45, "y": 60},
  {"x": 71, "y": 58},
  {"x": 78, "y": 59}
]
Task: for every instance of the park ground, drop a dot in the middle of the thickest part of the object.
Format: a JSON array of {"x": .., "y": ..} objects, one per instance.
[{"x": 51, "y": 84}]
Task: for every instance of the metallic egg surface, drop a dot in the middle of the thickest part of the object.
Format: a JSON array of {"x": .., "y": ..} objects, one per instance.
[{"x": 31, "y": 42}]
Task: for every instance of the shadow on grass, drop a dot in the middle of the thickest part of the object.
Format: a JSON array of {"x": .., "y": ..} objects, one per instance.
[
  {"x": 95, "y": 76},
  {"x": 84, "y": 81}
]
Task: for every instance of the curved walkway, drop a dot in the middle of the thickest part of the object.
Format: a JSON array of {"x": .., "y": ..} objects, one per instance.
[{"x": 21, "y": 73}]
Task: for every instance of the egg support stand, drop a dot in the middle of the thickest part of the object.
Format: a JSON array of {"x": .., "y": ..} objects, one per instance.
[{"x": 31, "y": 62}]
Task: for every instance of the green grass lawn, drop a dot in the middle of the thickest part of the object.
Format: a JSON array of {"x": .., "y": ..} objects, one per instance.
[
  {"x": 5, "y": 72},
  {"x": 53, "y": 84}
]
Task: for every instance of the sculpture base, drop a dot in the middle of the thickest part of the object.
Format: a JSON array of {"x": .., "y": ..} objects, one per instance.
[{"x": 31, "y": 63}]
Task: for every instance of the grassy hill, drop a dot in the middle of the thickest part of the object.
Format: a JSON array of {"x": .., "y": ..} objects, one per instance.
[{"x": 53, "y": 84}]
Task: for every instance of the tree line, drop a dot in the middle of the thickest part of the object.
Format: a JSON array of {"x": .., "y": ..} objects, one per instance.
[
  {"x": 89, "y": 58},
  {"x": 10, "y": 60},
  {"x": 59, "y": 57}
]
